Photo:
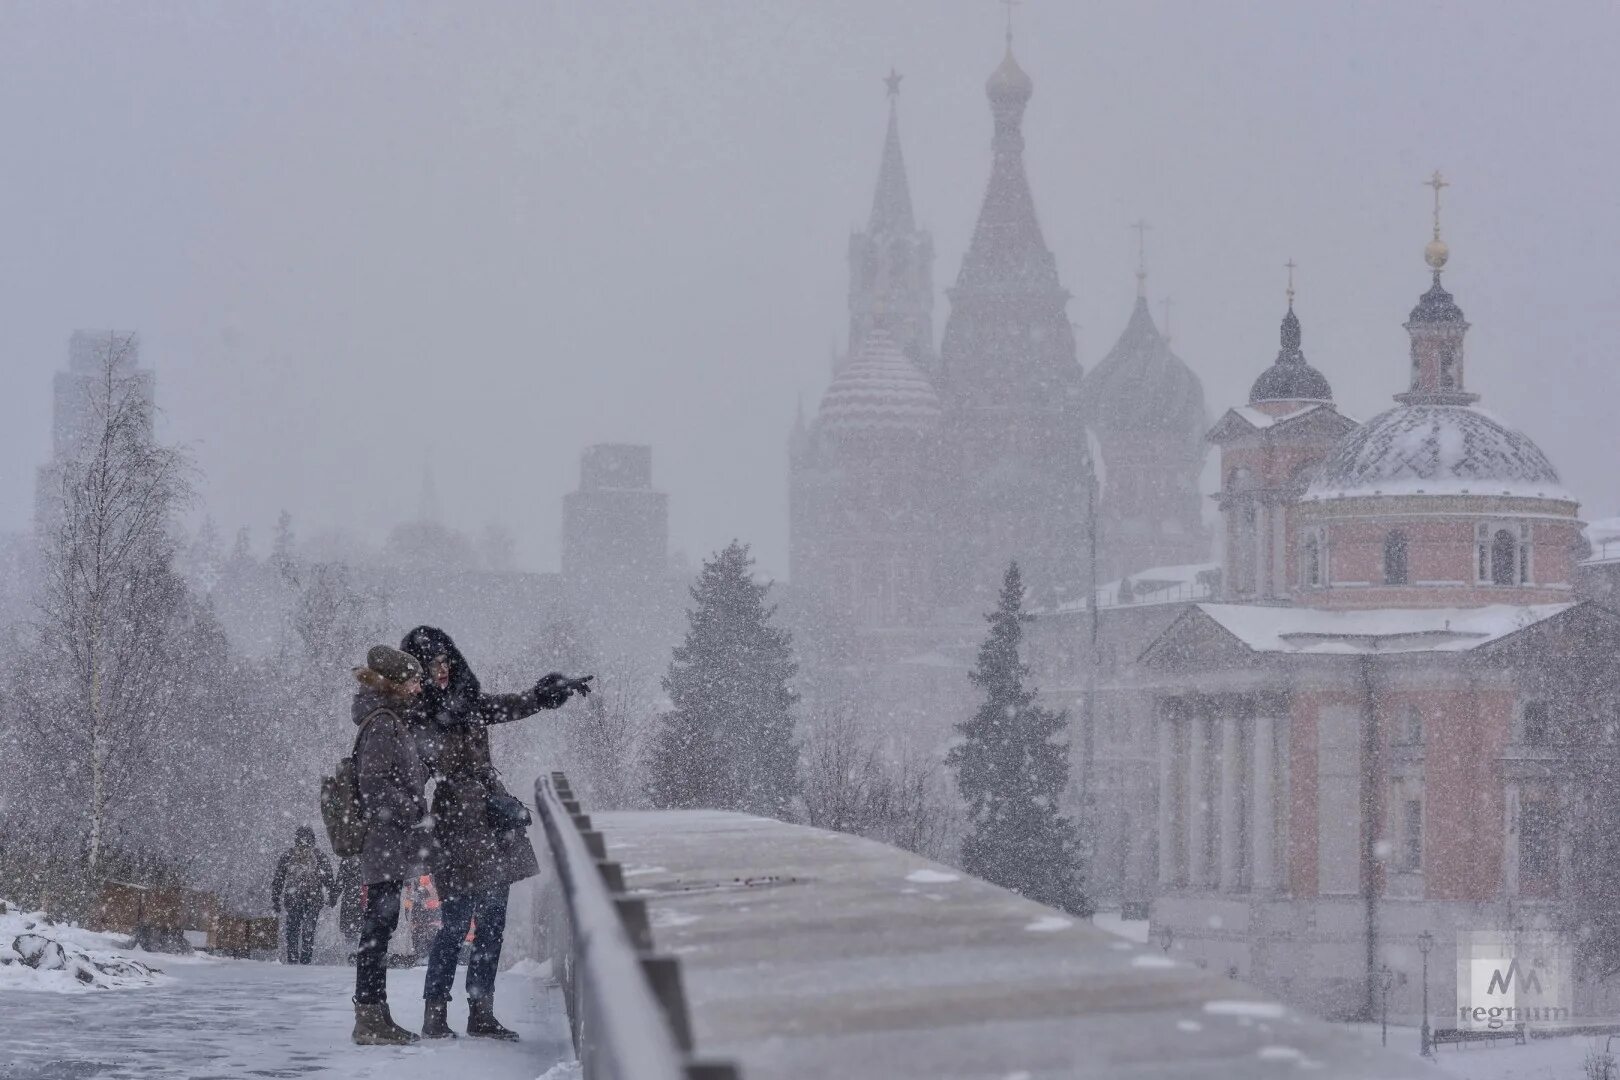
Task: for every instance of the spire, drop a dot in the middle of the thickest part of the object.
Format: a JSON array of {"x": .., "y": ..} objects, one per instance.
[
  {"x": 1007, "y": 251},
  {"x": 891, "y": 203},
  {"x": 1436, "y": 327},
  {"x": 1290, "y": 377},
  {"x": 1140, "y": 226}
]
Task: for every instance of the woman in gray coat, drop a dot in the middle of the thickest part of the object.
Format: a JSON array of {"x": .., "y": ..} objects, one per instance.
[{"x": 394, "y": 808}]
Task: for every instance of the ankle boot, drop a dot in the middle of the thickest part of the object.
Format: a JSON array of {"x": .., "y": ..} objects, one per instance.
[
  {"x": 435, "y": 1022},
  {"x": 374, "y": 1026},
  {"x": 481, "y": 1022}
]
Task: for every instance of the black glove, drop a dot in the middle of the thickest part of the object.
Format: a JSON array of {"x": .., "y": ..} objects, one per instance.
[{"x": 554, "y": 689}]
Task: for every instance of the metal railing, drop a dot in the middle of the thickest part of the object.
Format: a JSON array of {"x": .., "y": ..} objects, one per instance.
[{"x": 626, "y": 1006}]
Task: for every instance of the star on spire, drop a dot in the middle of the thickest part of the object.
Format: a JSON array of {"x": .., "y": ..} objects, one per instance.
[{"x": 892, "y": 82}]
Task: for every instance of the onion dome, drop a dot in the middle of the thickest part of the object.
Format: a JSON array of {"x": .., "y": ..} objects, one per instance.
[
  {"x": 1290, "y": 378},
  {"x": 878, "y": 391},
  {"x": 1431, "y": 449},
  {"x": 1009, "y": 82},
  {"x": 1142, "y": 386},
  {"x": 1437, "y": 305}
]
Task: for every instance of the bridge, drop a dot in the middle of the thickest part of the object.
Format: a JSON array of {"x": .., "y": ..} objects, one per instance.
[{"x": 705, "y": 945}]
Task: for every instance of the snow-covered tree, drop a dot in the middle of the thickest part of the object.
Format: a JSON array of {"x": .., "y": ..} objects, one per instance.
[
  {"x": 101, "y": 677},
  {"x": 1012, "y": 764},
  {"x": 728, "y": 741}
]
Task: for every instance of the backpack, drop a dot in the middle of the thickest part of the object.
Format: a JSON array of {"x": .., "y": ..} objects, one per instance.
[
  {"x": 304, "y": 874},
  {"x": 340, "y": 801}
]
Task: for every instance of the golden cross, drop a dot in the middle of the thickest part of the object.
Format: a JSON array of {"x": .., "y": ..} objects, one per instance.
[
  {"x": 1436, "y": 182},
  {"x": 1292, "y": 266}
]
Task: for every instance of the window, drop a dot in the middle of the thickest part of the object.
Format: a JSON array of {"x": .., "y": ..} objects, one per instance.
[
  {"x": 1411, "y": 731},
  {"x": 1412, "y": 836},
  {"x": 1538, "y": 847},
  {"x": 1310, "y": 572},
  {"x": 1535, "y": 726},
  {"x": 1504, "y": 554},
  {"x": 1395, "y": 551}
]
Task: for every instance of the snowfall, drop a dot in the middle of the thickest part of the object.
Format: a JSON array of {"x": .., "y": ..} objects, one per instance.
[{"x": 80, "y": 1005}]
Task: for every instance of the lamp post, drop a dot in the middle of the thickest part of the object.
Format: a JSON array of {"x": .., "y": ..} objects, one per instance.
[
  {"x": 1386, "y": 979},
  {"x": 1425, "y": 942},
  {"x": 1167, "y": 937}
]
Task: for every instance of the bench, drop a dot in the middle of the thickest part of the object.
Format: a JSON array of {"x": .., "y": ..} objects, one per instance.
[{"x": 1441, "y": 1036}]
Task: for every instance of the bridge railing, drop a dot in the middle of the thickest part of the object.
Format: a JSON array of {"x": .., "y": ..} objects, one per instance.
[{"x": 626, "y": 1007}]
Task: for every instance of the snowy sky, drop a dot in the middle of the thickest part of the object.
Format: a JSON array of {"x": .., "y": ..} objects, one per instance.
[{"x": 354, "y": 233}]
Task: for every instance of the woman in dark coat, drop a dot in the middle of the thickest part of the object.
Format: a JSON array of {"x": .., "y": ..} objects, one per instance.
[{"x": 481, "y": 847}]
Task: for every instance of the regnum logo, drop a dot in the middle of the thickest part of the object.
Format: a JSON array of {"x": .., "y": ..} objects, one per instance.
[{"x": 1505, "y": 979}]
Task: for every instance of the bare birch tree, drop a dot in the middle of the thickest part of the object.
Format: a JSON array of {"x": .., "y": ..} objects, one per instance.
[{"x": 99, "y": 693}]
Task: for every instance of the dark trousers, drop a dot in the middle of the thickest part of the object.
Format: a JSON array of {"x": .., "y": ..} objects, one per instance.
[
  {"x": 377, "y": 924},
  {"x": 301, "y": 920},
  {"x": 488, "y": 909}
]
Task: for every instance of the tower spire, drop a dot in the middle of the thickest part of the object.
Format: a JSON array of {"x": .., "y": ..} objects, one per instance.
[
  {"x": 1437, "y": 328},
  {"x": 891, "y": 202},
  {"x": 1140, "y": 226}
]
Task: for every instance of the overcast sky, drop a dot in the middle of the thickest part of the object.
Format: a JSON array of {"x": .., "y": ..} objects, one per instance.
[{"x": 354, "y": 234}]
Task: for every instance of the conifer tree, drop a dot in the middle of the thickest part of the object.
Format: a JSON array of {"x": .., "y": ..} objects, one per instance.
[
  {"x": 1011, "y": 765},
  {"x": 728, "y": 742}
]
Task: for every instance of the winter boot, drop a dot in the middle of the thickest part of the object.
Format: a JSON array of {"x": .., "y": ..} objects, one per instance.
[
  {"x": 435, "y": 1024},
  {"x": 481, "y": 1022},
  {"x": 373, "y": 1026}
]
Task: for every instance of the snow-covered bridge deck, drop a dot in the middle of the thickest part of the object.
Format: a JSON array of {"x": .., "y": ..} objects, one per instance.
[{"x": 807, "y": 953}]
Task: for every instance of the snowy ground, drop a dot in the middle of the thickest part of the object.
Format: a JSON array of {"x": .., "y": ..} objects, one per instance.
[
  {"x": 41, "y": 955},
  {"x": 212, "y": 1019},
  {"x": 1538, "y": 1059}
]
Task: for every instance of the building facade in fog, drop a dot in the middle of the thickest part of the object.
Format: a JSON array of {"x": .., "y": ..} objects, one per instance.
[
  {"x": 1363, "y": 742},
  {"x": 615, "y": 526},
  {"x": 93, "y": 355}
]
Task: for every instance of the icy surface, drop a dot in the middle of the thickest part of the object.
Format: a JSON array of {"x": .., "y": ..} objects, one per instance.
[{"x": 241, "y": 1018}]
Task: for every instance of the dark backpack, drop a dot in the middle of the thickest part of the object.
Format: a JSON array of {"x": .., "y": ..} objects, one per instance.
[{"x": 340, "y": 801}]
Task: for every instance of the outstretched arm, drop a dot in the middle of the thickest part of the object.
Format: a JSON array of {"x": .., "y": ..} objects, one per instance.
[{"x": 551, "y": 692}]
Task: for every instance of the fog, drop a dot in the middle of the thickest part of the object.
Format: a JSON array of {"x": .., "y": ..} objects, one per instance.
[{"x": 355, "y": 235}]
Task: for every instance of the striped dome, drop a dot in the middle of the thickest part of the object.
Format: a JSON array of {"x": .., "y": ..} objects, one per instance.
[{"x": 880, "y": 390}]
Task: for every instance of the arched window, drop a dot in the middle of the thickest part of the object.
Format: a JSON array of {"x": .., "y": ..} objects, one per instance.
[
  {"x": 1504, "y": 558},
  {"x": 1395, "y": 549},
  {"x": 1310, "y": 562}
]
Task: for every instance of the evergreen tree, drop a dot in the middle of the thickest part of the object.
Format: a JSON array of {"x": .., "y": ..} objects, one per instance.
[
  {"x": 728, "y": 742},
  {"x": 1011, "y": 765}
]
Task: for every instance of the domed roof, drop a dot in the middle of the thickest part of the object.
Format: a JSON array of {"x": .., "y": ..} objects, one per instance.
[
  {"x": 879, "y": 390},
  {"x": 1009, "y": 81},
  {"x": 1290, "y": 378},
  {"x": 1437, "y": 450},
  {"x": 1142, "y": 386},
  {"x": 1436, "y": 306}
]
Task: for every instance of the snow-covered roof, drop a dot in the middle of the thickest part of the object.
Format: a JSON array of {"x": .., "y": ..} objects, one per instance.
[
  {"x": 879, "y": 390},
  {"x": 1604, "y": 537},
  {"x": 1389, "y": 630},
  {"x": 1290, "y": 377},
  {"x": 1158, "y": 585},
  {"x": 1424, "y": 449}
]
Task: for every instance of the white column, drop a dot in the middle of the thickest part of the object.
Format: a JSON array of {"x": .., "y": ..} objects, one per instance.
[
  {"x": 1168, "y": 841},
  {"x": 1231, "y": 778},
  {"x": 1263, "y": 830},
  {"x": 1196, "y": 810}
]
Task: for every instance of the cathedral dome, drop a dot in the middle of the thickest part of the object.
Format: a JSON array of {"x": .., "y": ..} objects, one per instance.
[
  {"x": 1009, "y": 82},
  {"x": 879, "y": 390},
  {"x": 1428, "y": 449},
  {"x": 1290, "y": 377},
  {"x": 1142, "y": 386}
]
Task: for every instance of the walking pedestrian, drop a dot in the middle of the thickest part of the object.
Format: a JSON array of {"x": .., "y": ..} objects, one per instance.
[
  {"x": 478, "y": 826},
  {"x": 303, "y": 884},
  {"x": 394, "y": 809}
]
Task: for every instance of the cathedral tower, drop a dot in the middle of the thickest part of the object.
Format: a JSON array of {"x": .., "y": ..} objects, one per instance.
[
  {"x": 891, "y": 264},
  {"x": 1014, "y": 461},
  {"x": 1146, "y": 408}
]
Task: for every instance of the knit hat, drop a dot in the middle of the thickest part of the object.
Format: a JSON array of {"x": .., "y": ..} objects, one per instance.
[{"x": 393, "y": 665}]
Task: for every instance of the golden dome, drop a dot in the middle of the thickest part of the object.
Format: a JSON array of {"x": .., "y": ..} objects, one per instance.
[{"x": 1435, "y": 253}]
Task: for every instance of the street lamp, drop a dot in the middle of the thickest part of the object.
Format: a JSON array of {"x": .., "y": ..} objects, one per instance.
[
  {"x": 1386, "y": 979},
  {"x": 1167, "y": 937},
  {"x": 1425, "y": 942}
]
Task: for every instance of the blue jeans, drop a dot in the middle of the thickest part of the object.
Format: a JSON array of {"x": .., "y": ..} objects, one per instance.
[{"x": 488, "y": 908}]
